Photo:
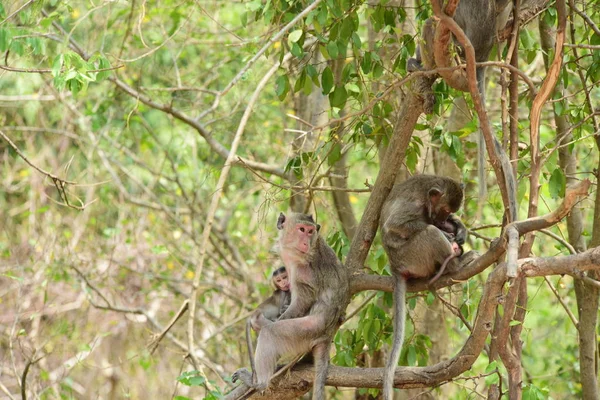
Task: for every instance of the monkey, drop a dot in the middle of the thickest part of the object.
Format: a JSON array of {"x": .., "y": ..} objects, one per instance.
[
  {"x": 479, "y": 19},
  {"x": 416, "y": 221},
  {"x": 277, "y": 303},
  {"x": 455, "y": 231},
  {"x": 270, "y": 309},
  {"x": 320, "y": 294}
]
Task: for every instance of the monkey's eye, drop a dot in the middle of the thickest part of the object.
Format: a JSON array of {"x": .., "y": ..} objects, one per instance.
[
  {"x": 310, "y": 232},
  {"x": 301, "y": 229}
]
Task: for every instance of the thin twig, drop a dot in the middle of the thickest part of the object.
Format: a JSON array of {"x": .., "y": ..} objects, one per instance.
[{"x": 562, "y": 303}]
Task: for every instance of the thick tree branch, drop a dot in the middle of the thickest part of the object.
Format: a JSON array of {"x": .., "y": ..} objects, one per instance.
[{"x": 412, "y": 108}]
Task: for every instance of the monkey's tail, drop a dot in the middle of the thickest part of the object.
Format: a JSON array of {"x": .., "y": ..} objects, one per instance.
[
  {"x": 399, "y": 324},
  {"x": 250, "y": 345}
]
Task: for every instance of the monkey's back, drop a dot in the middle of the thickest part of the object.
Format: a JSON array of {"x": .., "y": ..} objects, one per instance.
[{"x": 477, "y": 18}]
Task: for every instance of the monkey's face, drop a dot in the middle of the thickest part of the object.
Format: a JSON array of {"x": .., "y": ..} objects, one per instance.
[
  {"x": 282, "y": 281},
  {"x": 441, "y": 214},
  {"x": 304, "y": 234}
]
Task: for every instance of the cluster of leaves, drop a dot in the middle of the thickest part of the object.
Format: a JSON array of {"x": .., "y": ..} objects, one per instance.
[{"x": 197, "y": 378}]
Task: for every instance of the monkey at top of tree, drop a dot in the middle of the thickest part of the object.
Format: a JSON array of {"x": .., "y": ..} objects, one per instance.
[
  {"x": 320, "y": 293},
  {"x": 419, "y": 233},
  {"x": 480, "y": 21}
]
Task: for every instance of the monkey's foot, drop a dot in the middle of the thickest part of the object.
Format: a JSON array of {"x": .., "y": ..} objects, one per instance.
[
  {"x": 243, "y": 375},
  {"x": 247, "y": 378}
]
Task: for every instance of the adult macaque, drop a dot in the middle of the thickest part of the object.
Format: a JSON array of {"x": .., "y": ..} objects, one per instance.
[
  {"x": 480, "y": 20},
  {"x": 415, "y": 222},
  {"x": 270, "y": 309},
  {"x": 319, "y": 286}
]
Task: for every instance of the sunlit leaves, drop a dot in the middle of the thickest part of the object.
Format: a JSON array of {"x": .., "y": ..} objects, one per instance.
[
  {"x": 532, "y": 392},
  {"x": 74, "y": 73},
  {"x": 5, "y": 38}
]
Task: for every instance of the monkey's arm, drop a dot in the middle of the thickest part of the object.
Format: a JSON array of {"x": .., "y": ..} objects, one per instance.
[
  {"x": 302, "y": 302},
  {"x": 285, "y": 299},
  {"x": 268, "y": 309},
  {"x": 403, "y": 230}
]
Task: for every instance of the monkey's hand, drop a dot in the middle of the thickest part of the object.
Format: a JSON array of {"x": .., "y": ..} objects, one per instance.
[
  {"x": 450, "y": 236},
  {"x": 299, "y": 308},
  {"x": 461, "y": 235},
  {"x": 460, "y": 229}
]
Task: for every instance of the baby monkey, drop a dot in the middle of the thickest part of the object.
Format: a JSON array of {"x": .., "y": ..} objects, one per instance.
[
  {"x": 271, "y": 308},
  {"x": 276, "y": 304}
]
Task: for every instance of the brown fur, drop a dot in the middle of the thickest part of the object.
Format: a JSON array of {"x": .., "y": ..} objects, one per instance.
[
  {"x": 413, "y": 243},
  {"x": 319, "y": 286}
]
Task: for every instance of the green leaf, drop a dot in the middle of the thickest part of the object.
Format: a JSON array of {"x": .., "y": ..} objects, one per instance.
[
  {"x": 352, "y": 87},
  {"x": 192, "y": 378},
  {"x": 332, "y": 49},
  {"x": 57, "y": 65},
  {"x": 356, "y": 42},
  {"x": 335, "y": 154},
  {"x": 327, "y": 80},
  {"x": 527, "y": 40},
  {"x": 557, "y": 184},
  {"x": 411, "y": 355},
  {"x": 377, "y": 70},
  {"x": 338, "y": 97},
  {"x": 282, "y": 86},
  {"x": 347, "y": 28},
  {"x": 299, "y": 85},
  {"x": 5, "y": 38},
  {"x": 491, "y": 367},
  {"x": 294, "y": 36},
  {"x": 296, "y": 50}
]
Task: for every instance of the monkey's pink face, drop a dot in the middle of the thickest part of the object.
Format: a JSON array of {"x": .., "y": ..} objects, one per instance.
[
  {"x": 282, "y": 281},
  {"x": 304, "y": 233}
]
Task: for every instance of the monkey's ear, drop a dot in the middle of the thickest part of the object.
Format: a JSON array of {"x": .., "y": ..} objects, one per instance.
[
  {"x": 435, "y": 194},
  {"x": 318, "y": 227},
  {"x": 280, "y": 221}
]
